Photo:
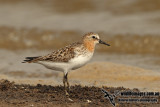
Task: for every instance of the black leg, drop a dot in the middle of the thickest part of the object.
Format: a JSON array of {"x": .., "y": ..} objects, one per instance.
[
  {"x": 68, "y": 87},
  {"x": 65, "y": 83}
]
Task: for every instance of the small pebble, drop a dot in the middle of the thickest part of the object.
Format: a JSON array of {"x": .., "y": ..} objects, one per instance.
[{"x": 88, "y": 101}]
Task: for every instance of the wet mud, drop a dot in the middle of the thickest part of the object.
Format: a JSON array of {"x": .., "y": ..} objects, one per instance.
[{"x": 25, "y": 95}]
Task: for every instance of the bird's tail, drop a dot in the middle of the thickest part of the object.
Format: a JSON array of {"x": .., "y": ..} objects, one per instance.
[{"x": 30, "y": 59}]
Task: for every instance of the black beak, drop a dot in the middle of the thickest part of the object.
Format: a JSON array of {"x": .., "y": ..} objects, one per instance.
[{"x": 101, "y": 42}]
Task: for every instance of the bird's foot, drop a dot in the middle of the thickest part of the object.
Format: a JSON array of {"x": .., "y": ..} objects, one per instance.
[{"x": 67, "y": 94}]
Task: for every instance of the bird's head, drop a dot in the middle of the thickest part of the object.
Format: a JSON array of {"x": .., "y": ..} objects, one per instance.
[{"x": 93, "y": 38}]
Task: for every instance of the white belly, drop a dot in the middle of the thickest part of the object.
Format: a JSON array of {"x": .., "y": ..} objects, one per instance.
[
  {"x": 58, "y": 66},
  {"x": 74, "y": 63}
]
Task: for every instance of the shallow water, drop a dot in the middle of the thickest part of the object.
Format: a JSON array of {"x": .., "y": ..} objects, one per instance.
[{"x": 110, "y": 16}]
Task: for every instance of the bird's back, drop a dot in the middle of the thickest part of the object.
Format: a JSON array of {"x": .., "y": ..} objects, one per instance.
[{"x": 61, "y": 55}]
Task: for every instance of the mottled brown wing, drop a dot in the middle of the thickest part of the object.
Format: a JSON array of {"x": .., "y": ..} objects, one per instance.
[{"x": 61, "y": 55}]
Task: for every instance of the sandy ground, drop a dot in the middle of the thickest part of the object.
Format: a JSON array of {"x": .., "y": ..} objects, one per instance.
[
  {"x": 103, "y": 74},
  {"x": 103, "y": 70}
]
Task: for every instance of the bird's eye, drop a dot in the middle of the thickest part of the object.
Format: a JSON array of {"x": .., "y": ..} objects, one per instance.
[{"x": 93, "y": 37}]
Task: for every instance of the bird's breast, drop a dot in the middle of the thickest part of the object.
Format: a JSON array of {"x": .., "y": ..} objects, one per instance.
[{"x": 80, "y": 60}]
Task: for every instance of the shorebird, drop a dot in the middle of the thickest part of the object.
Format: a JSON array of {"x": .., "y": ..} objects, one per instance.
[{"x": 70, "y": 57}]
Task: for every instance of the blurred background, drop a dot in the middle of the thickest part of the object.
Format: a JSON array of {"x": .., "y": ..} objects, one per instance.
[{"x": 37, "y": 27}]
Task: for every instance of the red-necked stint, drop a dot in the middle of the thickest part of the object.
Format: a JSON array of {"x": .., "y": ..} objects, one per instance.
[{"x": 70, "y": 57}]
